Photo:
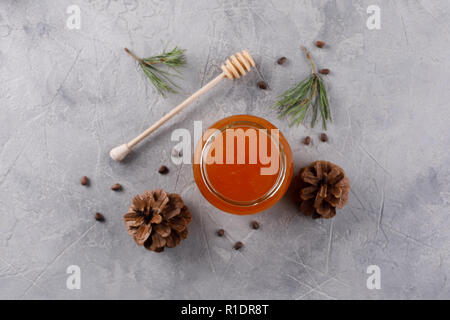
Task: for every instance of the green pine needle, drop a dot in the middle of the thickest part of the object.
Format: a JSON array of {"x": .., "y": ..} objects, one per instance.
[
  {"x": 173, "y": 60},
  {"x": 307, "y": 94}
]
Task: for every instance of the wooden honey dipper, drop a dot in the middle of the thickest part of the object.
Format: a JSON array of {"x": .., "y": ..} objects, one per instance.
[{"x": 235, "y": 67}]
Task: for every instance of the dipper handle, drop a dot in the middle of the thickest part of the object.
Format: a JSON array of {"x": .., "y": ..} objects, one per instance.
[{"x": 235, "y": 67}]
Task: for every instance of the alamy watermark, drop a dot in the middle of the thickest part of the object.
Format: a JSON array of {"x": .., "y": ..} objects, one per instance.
[
  {"x": 374, "y": 280},
  {"x": 374, "y": 20},
  {"x": 231, "y": 146},
  {"x": 73, "y": 281},
  {"x": 74, "y": 18}
]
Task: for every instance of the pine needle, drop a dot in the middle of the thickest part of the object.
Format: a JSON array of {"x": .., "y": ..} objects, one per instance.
[
  {"x": 173, "y": 60},
  {"x": 308, "y": 94}
]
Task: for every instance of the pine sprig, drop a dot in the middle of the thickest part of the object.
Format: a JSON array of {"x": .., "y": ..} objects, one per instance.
[
  {"x": 173, "y": 60},
  {"x": 309, "y": 93}
]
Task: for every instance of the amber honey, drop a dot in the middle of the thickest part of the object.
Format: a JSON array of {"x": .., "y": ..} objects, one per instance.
[{"x": 243, "y": 164}]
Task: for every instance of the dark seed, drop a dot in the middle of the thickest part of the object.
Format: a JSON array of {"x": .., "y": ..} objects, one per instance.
[
  {"x": 255, "y": 225},
  {"x": 116, "y": 187},
  {"x": 99, "y": 217},
  {"x": 324, "y": 71},
  {"x": 84, "y": 180},
  {"x": 281, "y": 60},
  {"x": 163, "y": 170},
  {"x": 307, "y": 140},
  {"x": 262, "y": 85},
  {"x": 238, "y": 245},
  {"x": 320, "y": 44},
  {"x": 324, "y": 137},
  {"x": 220, "y": 232}
]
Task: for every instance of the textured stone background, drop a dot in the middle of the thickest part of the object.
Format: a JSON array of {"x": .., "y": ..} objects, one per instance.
[{"x": 68, "y": 96}]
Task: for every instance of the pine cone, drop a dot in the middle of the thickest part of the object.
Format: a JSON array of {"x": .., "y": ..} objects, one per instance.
[
  {"x": 157, "y": 219},
  {"x": 323, "y": 187}
]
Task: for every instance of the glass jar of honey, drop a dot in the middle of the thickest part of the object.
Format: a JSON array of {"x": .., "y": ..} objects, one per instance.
[{"x": 243, "y": 164}]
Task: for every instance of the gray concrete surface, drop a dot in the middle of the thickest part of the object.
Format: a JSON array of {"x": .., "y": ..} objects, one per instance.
[{"x": 68, "y": 96}]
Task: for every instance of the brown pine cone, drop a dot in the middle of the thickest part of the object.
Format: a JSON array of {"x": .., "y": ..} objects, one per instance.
[
  {"x": 157, "y": 219},
  {"x": 322, "y": 187}
]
